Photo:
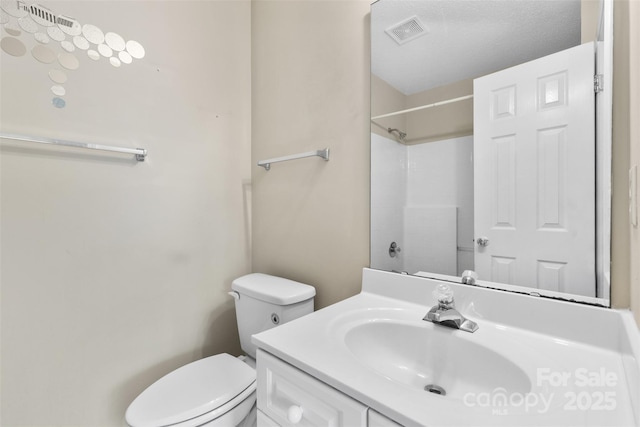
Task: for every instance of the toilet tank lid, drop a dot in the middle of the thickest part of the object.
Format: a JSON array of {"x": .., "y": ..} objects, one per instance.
[{"x": 272, "y": 289}]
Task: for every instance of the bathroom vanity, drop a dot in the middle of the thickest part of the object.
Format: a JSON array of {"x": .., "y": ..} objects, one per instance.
[{"x": 372, "y": 360}]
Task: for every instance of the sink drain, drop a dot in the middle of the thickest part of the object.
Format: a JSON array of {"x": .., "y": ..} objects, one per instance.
[{"x": 436, "y": 389}]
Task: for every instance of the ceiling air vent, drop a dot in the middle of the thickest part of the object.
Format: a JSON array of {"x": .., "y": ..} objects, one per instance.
[
  {"x": 43, "y": 13},
  {"x": 407, "y": 30}
]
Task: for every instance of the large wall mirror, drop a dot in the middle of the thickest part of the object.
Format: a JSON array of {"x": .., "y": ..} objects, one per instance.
[{"x": 491, "y": 143}]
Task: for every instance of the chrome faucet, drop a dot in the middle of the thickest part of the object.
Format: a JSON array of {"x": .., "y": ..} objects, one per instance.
[{"x": 445, "y": 314}]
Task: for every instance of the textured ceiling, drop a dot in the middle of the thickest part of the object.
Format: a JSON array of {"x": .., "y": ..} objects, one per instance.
[{"x": 467, "y": 38}]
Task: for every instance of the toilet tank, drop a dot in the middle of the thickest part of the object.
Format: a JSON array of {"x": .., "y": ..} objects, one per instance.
[{"x": 264, "y": 302}]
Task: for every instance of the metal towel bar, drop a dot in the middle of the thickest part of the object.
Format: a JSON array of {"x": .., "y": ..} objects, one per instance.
[
  {"x": 266, "y": 164},
  {"x": 140, "y": 153}
]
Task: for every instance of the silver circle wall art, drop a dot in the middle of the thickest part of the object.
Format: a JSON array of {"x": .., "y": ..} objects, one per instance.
[
  {"x": 62, "y": 42},
  {"x": 13, "y": 46}
]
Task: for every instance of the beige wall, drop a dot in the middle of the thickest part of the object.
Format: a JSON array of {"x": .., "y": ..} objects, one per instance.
[
  {"x": 589, "y": 17},
  {"x": 115, "y": 273},
  {"x": 387, "y": 99},
  {"x": 434, "y": 124},
  {"x": 634, "y": 73},
  {"x": 443, "y": 122},
  {"x": 310, "y": 90},
  {"x": 620, "y": 266}
]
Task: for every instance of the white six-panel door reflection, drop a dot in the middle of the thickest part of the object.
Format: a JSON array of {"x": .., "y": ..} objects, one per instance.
[{"x": 534, "y": 173}]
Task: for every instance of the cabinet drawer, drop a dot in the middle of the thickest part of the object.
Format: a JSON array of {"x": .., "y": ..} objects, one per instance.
[{"x": 290, "y": 397}]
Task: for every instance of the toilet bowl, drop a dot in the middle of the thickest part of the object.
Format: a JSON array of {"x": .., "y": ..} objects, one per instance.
[{"x": 220, "y": 390}]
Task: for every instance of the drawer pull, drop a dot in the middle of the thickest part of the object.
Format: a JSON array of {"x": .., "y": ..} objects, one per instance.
[{"x": 294, "y": 414}]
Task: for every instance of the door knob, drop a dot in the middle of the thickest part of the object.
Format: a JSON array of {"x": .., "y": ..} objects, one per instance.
[
  {"x": 482, "y": 241},
  {"x": 394, "y": 249}
]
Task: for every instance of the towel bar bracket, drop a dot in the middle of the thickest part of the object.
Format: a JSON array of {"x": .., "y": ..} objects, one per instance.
[{"x": 141, "y": 156}]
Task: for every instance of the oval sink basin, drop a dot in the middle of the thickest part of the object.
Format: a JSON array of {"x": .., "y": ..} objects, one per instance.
[{"x": 434, "y": 359}]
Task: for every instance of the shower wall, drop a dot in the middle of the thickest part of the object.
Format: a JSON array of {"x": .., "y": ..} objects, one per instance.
[
  {"x": 116, "y": 272},
  {"x": 422, "y": 198},
  {"x": 388, "y": 198},
  {"x": 440, "y": 178}
]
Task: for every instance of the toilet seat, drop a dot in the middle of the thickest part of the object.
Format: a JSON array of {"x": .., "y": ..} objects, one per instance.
[{"x": 195, "y": 393}]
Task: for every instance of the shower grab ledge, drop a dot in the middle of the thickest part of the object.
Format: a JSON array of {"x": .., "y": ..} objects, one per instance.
[
  {"x": 266, "y": 164},
  {"x": 140, "y": 153}
]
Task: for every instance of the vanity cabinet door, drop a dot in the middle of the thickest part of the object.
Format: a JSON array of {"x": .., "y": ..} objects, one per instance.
[
  {"x": 290, "y": 397},
  {"x": 264, "y": 421},
  {"x": 378, "y": 420}
]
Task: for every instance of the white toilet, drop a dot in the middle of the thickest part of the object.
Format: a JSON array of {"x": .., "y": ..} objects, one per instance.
[{"x": 220, "y": 390}]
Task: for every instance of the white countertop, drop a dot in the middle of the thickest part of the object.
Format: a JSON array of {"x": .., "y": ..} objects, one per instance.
[{"x": 314, "y": 344}]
